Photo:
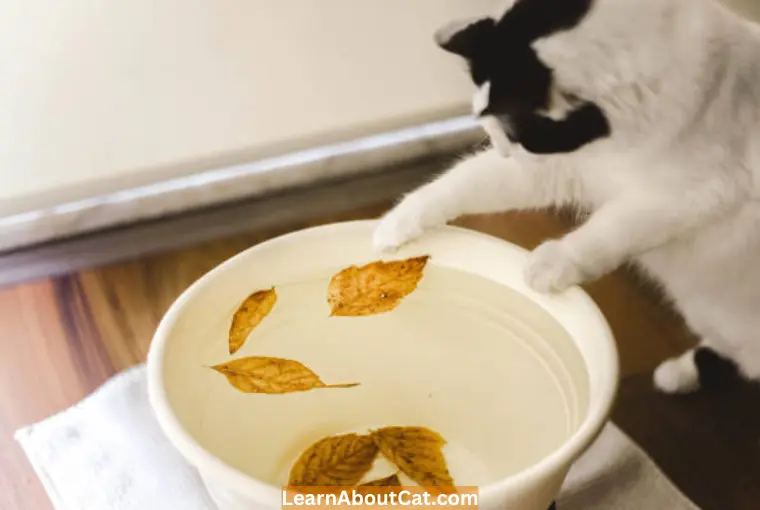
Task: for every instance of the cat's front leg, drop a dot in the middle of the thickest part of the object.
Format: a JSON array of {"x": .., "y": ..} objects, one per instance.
[
  {"x": 421, "y": 210},
  {"x": 552, "y": 267},
  {"x": 483, "y": 183},
  {"x": 626, "y": 227}
]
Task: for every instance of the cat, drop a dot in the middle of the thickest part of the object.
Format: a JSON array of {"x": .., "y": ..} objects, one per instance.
[{"x": 658, "y": 103}]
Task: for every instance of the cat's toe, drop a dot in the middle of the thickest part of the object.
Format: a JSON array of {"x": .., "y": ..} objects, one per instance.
[
  {"x": 394, "y": 231},
  {"x": 551, "y": 269},
  {"x": 677, "y": 375}
]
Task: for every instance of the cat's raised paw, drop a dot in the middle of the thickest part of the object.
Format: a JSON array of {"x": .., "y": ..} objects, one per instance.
[
  {"x": 551, "y": 269},
  {"x": 396, "y": 229}
]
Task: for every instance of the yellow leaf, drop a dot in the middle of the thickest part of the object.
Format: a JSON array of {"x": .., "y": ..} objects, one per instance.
[
  {"x": 334, "y": 461},
  {"x": 250, "y": 313},
  {"x": 374, "y": 288},
  {"x": 388, "y": 481},
  {"x": 261, "y": 374},
  {"x": 417, "y": 451},
  {"x": 385, "y": 485}
]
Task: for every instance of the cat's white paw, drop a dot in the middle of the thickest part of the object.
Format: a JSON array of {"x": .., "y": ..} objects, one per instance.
[
  {"x": 397, "y": 228},
  {"x": 551, "y": 269},
  {"x": 677, "y": 375}
]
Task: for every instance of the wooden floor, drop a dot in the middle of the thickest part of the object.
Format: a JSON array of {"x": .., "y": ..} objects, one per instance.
[{"x": 64, "y": 336}]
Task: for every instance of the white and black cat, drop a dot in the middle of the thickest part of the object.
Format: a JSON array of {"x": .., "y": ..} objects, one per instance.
[{"x": 646, "y": 115}]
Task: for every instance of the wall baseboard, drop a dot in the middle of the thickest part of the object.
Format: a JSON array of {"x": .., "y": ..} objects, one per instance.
[{"x": 274, "y": 211}]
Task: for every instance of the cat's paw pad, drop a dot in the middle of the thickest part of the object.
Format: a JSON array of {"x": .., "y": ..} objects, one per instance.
[
  {"x": 677, "y": 375},
  {"x": 551, "y": 268},
  {"x": 396, "y": 229}
]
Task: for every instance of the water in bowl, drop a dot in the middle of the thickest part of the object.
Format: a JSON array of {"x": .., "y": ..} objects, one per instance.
[{"x": 475, "y": 361}]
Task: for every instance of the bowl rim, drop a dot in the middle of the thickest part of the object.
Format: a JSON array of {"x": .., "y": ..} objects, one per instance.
[{"x": 212, "y": 467}]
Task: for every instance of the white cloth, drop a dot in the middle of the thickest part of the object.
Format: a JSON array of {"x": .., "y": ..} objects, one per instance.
[{"x": 108, "y": 453}]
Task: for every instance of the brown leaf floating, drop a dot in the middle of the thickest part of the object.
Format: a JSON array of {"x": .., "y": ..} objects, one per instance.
[
  {"x": 248, "y": 315},
  {"x": 334, "y": 461},
  {"x": 417, "y": 451},
  {"x": 388, "y": 481},
  {"x": 262, "y": 374},
  {"x": 374, "y": 288}
]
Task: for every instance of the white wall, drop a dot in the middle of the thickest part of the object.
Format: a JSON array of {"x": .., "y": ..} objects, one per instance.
[{"x": 97, "y": 95}]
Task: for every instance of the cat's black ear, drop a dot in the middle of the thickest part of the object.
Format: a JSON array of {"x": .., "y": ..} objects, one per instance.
[{"x": 465, "y": 37}]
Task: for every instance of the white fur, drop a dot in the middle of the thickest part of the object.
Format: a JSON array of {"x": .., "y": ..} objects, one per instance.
[
  {"x": 674, "y": 190},
  {"x": 678, "y": 375},
  {"x": 490, "y": 125}
]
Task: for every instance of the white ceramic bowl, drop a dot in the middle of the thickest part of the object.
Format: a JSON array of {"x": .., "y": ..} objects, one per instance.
[{"x": 518, "y": 383}]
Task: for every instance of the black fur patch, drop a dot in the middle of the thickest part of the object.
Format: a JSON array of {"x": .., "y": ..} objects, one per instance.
[
  {"x": 541, "y": 135},
  {"x": 500, "y": 52},
  {"x": 714, "y": 370}
]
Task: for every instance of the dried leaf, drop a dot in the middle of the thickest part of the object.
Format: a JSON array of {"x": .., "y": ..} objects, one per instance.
[
  {"x": 385, "y": 485},
  {"x": 261, "y": 374},
  {"x": 417, "y": 451},
  {"x": 334, "y": 461},
  {"x": 250, "y": 313},
  {"x": 388, "y": 481},
  {"x": 374, "y": 288}
]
